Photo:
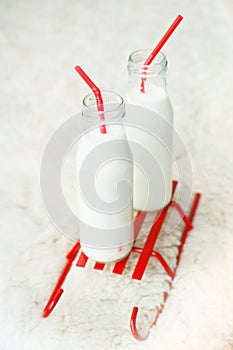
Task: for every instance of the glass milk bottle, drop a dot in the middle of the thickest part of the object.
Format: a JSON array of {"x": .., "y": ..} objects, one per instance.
[
  {"x": 152, "y": 96},
  {"x": 105, "y": 181}
]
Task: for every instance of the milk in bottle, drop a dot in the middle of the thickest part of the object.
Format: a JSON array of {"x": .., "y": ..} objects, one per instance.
[
  {"x": 104, "y": 164},
  {"x": 156, "y": 193}
]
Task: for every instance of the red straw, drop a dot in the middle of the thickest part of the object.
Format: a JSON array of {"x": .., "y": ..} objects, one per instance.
[
  {"x": 98, "y": 96},
  {"x": 160, "y": 45}
]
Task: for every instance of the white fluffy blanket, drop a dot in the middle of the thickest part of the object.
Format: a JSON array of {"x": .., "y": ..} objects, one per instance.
[{"x": 40, "y": 43}]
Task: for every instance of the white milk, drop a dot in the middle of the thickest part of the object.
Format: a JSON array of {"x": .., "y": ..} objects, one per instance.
[
  {"x": 160, "y": 188},
  {"x": 116, "y": 244}
]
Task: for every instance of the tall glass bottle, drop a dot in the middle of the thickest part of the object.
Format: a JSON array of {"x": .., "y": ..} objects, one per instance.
[
  {"x": 147, "y": 88},
  {"x": 105, "y": 180}
]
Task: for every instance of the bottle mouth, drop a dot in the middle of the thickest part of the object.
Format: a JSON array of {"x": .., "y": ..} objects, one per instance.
[
  {"x": 113, "y": 105},
  {"x": 137, "y": 66}
]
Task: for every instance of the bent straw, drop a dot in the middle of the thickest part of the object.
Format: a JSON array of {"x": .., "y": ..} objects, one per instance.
[
  {"x": 159, "y": 46},
  {"x": 96, "y": 91}
]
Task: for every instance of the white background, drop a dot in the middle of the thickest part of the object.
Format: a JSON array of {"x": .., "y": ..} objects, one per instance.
[{"x": 40, "y": 42}]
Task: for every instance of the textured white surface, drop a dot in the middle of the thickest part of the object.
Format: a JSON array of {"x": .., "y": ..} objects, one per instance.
[{"x": 40, "y": 42}]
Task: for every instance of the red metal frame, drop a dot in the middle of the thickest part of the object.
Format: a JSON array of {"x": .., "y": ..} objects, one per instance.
[
  {"x": 158, "y": 256},
  {"x": 145, "y": 253}
]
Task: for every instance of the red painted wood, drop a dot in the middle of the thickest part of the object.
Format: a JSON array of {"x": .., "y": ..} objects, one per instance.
[
  {"x": 82, "y": 260},
  {"x": 150, "y": 242},
  {"x": 99, "y": 266}
]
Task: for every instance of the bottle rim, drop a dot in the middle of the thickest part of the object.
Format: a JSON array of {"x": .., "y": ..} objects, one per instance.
[
  {"x": 106, "y": 95},
  {"x": 112, "y": 101},
  {"x": 137, "y": 58}
]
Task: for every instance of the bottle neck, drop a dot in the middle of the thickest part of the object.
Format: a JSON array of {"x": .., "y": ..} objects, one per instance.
[
  {"x": 155, "y": 73},
  {"x": 114, "y": 110}
]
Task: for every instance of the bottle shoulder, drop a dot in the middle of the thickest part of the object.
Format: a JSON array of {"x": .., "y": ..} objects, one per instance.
[{"x": 157, "y": 101}]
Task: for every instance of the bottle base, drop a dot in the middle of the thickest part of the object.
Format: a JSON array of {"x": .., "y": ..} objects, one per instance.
[{"x": 107, "y": 255}]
